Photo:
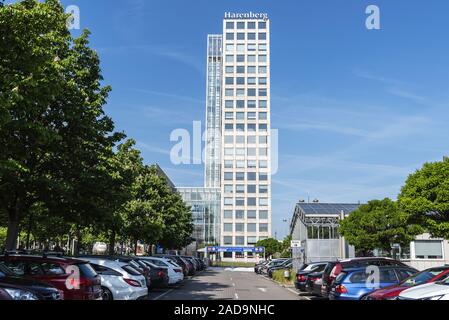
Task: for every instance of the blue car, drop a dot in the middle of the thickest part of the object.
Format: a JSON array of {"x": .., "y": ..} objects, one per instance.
[{"x": 357, "y": 283}]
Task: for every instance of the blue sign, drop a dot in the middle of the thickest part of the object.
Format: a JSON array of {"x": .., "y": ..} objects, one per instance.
[{"x": 236, "y": 249}]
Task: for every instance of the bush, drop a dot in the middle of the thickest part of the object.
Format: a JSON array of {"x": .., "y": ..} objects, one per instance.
[
  {"x": 231, "y": 264},
  {"x": 278, "y": 276},
  {"x": 2, "y": 237}
]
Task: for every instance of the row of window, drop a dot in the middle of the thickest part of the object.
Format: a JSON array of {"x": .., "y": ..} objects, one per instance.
[
  {"x": 242, "y": 81},
  {"x": 249, "y": 69},
  {"x": 250, "y": 202},
  {"x": 249, "y": 115},
  {"x": 246, "y": 36},
  {"x": 246, "y": 92},
  {"x": 242, "y": 47},
  {"x": 240, "y": 127},
  {"x": 241, "y": 188},
  {"x": 245, "y": 25},
  {"x": 243, "y": 139},
  {"x": 240, "y": 176},
  {"x": 242, "y": 214},
  {"x": 250, "y": 152},
  {"x": 230, "y": 58},
  {"x": 240, "y": 227},
  {"x": 241, "y": 104},
  {"x": 241, "y": 164},
  {"x": 239, "y": 241}
]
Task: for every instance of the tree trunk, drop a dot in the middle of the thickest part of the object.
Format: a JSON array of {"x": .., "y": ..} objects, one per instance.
[
  {"x": 112, "y": 243},
  {"x": 30, "y": 225},
  {"x": 13, "y": 229},
  {"x": 135, "y": 247}
]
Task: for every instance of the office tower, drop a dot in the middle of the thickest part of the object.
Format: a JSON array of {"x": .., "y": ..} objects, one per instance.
[
  {"x": 234, "y": 207},
  {"x": 246, "y": 145}
]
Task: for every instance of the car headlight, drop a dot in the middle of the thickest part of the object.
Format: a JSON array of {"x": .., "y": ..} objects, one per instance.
[
  {"x": 434, "y": 297},
  {"x": 17, "y": 294}
]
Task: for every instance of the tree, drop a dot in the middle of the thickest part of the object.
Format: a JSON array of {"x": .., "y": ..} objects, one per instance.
[
  {"x": 286, "y": 247},
  {"x": 425, "y": 197},
  {"x": 54, "y": 136},
  {"x": 271, "y": 246},
  {"x": 143, "y": 213},
  {"x": 377, "y": 225},
  {"x": 124, "y": 169}
]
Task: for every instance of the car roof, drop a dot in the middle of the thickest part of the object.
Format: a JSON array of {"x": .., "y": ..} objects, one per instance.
[
  {"x": 51, "y": 258},
  {"x": 365, "y": 258}
]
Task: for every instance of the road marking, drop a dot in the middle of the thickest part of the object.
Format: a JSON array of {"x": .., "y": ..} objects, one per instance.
[
  {"x": 262, "y": 289},
  {"x": 296, "y": 293},
  {"x": 236, "y": 296},
  {"x": 233, "y": 284},
  {"x": 163, "y": 295}
]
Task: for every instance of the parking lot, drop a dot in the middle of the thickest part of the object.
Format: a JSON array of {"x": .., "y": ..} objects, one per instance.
[{"x": 226, "y": 284}]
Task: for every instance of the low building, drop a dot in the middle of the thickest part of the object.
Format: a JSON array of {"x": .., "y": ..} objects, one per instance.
[
  {"x": 426, "y": 252},
  {"x": 205, "y": 204},
  {"x": 315, "y": 226}
]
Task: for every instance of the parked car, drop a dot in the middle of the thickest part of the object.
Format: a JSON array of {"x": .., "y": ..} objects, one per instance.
[
  {"x": 430, "y": 291},
  {"x": 355, "y": 284},
  {"x": 287, "y": 264},
  {"x": 142, "y": 268},
  {"x": 174, "y": 271},
  {"x": 427, "y": 276},
  {"x": 13, "y": 287},
  {"x": 272, "y": 263},
  {"x": 158, "y": 274},
  {"x": 194, "y": 267},
  {"x": 54, "y": 270},
  {"x": 300, "y": 280},
  {"x": 119, "y": 280},
  {"x": 258, "y": 267},
  {"x": 180, "y": 261},
  {"x": 314, "y": 281},
  {"x": 334, "y": 268}
]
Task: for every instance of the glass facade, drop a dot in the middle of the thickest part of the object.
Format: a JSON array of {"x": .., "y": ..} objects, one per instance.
[
  {"x": 205, "y": 203},
  {"x": 213, "y": 112}
]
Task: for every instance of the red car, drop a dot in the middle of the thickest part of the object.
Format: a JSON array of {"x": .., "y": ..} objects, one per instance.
[
  {"x": 57, "y": 271},
  {"x": 426, "y": 276}
]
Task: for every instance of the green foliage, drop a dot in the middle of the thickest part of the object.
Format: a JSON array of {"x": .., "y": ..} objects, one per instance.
[
  {"x": 425, "y": 197},
  {"x": 278, "y": 276},
  {"x": 61, "y": 171},
  {"x": 377, "y": 225},
  {"x": 2, "y": 236},
  {"x": 271, "y": 245},
  {"x": 232, "y": 264}
]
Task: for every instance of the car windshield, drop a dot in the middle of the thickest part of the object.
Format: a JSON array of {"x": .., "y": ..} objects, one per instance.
[{"x": 421, "y": 278}]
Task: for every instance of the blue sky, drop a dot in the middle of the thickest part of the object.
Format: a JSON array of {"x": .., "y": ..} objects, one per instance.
[{"x": 357, "y": 110}]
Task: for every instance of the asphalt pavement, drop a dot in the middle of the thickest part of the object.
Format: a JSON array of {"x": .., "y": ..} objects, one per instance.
[{"x": 227, "y": 284}]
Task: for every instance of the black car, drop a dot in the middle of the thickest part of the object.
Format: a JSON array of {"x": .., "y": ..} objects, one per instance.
[
  {"x": 13, "y": 287},
  {"x": 333, "y": 269},
  {"x": 158, "y": 274},
  {"x": 258, "y": 267},
  {"x": 285, "y": 265},
  {"x": 313, "y": 283},
  {"x": 300, "y": 281}
]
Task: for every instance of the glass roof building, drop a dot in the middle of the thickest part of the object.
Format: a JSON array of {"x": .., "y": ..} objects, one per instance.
[{"x": 315, "y": 225}]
